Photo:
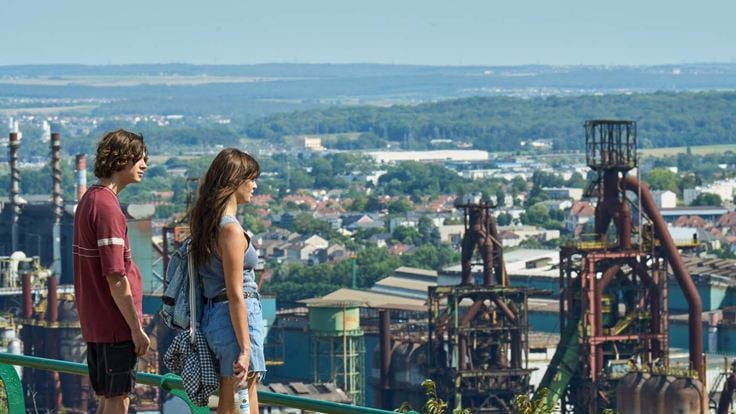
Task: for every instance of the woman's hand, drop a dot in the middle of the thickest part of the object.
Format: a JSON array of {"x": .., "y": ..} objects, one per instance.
[{"x": 240, "y": 368}]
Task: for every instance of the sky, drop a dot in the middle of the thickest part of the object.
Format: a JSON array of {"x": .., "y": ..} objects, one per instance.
[{"x": 418, "y": 32}]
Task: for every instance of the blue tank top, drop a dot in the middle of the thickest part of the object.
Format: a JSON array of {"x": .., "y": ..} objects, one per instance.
[{"x": 213, "y": 273}]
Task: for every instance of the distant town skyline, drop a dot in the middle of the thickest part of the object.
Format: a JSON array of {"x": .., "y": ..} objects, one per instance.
[{"x": 430, "y": 32}]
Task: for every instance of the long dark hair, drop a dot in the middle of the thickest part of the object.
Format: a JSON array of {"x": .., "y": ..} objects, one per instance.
[{"x": 230, "y": 168}]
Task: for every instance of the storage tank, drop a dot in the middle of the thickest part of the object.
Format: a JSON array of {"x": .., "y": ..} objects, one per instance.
[
  {"x": 400, "y": 365},
  {"x": 73, "y": 348},
  {"x": 628, "y": 392},
  {"x": 652, "y": 396},
  {"x": 16, "y": 347},
  {"x": 334, "y": 316},
  {"x": 683, "y": 396}
]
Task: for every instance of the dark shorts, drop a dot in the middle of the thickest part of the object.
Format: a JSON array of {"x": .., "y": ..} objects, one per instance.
[{"x": 111, "y": 367}]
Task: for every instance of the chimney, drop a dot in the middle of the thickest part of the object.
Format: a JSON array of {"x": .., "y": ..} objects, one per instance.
[
  {"x": 56, "y": 179},
  {"x": 15, "y": 204},
  {"x": 80, "y": 173}
]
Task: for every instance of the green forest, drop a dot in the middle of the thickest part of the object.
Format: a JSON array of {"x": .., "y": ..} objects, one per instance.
[{"x": 502, "y": 123}]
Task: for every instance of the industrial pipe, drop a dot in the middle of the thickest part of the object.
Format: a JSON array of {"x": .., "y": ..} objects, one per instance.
[
  {"x": 27, "y": 296},
  {"x": 613, "y": 208},
  {"x": 56, "y": 177},
  {"x": 13, "y": 145},
  {"x": 498, "y": 263},
  {"x": 695, "y": 306},
  {"x": 384, "y": 317},
  {"x": 80, "y": 181}
]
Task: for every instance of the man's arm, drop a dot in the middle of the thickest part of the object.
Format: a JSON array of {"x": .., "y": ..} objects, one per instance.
[{"x": 121, "y": 294}]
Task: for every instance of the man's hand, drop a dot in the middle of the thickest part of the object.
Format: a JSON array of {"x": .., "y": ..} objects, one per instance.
[{"x": 140, "y": 341}]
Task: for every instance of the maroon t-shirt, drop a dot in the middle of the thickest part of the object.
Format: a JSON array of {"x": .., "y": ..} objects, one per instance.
[{"x": 101, "y": 248}]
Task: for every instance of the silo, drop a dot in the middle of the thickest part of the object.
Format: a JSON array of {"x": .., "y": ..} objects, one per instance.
[
  {"x": 628, "y": 392},
  {"x": 338, "y": 349},
  {"x": 75, "y": 389},
  {"x": 684, "y": 396},
  {"x": 653, "y": 394}
]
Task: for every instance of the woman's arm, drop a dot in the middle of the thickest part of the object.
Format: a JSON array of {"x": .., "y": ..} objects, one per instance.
[{"x": 232, "y": 244}]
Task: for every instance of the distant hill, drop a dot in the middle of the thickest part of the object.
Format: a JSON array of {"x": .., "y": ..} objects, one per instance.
[
  {"x": 501, "y": 123},
  {"x": 258, "y": 90}
]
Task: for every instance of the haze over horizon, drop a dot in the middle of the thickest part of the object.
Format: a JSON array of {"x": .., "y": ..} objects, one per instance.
[{"x": 410, "y": 32}]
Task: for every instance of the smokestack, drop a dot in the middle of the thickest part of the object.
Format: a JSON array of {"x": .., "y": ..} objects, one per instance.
[
  {"x": 384, "y": 317},
  {"x": 715, "y": 317},
  {"x": 56, "y": 171},
  {"x": 27, "y": 297},
  {"x": 52, "y": 311},
  {"x": 15, "y": 204},
  {"x": 80, "y": 173}
]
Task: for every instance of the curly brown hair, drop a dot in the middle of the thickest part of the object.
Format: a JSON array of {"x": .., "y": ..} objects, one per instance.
[{"x": 116, "y": 149}]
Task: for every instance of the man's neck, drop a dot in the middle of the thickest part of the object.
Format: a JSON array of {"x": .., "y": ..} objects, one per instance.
[{"x": 112, "y": 183}]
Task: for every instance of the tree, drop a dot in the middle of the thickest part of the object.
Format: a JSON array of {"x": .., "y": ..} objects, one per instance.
[
  {"x": 305, "y": 223},
  {"x": 428, "y": 233},
  {"x": 406, "y": 235},
  {"x": 663, "y": 179},
  {"x": 690, "y": 180},
  {"x": 500, "y": 198},
  {"x": 576, "y": 181},
  {"x": 707, "y": 199},
  {"x": 431, "y": 256},
  {"x": 518, "y": 185},
  {"x": 398, "y": 206},
  {"x": 504, "y": 219},
  {"x": 535, "y": 215}
]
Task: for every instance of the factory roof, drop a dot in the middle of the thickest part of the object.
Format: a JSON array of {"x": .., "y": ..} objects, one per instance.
[
  {"x": 404, "y": 285},
  {"x": 700, "y": 266},
  {"x": 416, "y": 272},
  {"x": 521, "y": 262},
  {"x": 693, "y": 211},
  {"x": 370, "y": 299}
]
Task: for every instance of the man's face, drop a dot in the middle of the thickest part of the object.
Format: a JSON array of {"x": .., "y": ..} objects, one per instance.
[{"x": 133, "y": 172}]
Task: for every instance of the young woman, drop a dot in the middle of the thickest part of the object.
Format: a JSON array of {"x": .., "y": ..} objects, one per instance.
[{"x": 232, "y": 320}]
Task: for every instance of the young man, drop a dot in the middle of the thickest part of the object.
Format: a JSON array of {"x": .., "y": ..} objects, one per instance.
[{"x": 107, "y": 283}]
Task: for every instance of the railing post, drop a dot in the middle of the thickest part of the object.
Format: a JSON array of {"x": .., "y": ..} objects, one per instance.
[
  {"x": 165, "y": 385},
  {"x": 13, "y": 389}
]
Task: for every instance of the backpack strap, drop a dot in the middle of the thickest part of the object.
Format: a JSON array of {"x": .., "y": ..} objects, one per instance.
[{"x": 192, "y": 298}]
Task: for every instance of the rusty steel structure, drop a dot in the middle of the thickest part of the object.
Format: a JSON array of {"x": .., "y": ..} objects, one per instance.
[
  {"x": 613, "y": 288},
  {"x": 477, "y": 354}
]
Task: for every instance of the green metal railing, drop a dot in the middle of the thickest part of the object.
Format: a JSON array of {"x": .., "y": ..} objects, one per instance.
[{"x": 169, "y": 382}]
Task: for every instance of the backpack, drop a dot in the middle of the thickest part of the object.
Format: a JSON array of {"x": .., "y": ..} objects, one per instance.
[{"x": 182, "y": 298}]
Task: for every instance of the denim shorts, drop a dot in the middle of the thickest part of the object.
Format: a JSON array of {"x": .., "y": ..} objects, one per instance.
[{"x": 218, "y": 329}]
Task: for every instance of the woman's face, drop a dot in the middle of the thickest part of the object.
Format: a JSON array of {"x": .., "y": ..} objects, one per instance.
[{"x": 244, "y": 193}]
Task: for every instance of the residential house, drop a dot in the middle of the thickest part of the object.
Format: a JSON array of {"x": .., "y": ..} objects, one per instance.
[
  {"x": 579, "y": 215},
  {"x": 564, "y": 193},
  {"x": 380, "y": 239},
  {"x": 354, "y": 222},
  {"x": 664, "y": 199},
  {"x": 300, "y": 250}
]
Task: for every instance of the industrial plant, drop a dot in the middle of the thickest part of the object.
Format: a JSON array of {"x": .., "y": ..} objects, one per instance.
[{"x": 625, "y": 318}]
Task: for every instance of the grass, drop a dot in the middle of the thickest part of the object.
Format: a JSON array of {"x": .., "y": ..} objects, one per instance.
[
  {"x": 47, "y": 110},
  {"x": 696, "y": 150}
]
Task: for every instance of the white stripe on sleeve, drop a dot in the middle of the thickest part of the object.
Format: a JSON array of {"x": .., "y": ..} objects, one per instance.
[{"x": 110, "y": 241}]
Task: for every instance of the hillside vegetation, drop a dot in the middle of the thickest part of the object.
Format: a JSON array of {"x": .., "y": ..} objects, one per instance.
[{"x": 502, "y": 123}]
